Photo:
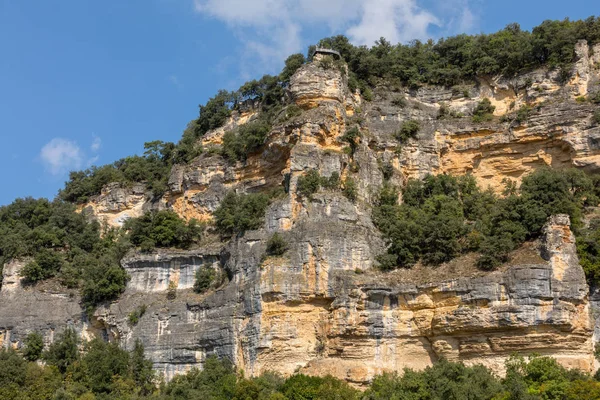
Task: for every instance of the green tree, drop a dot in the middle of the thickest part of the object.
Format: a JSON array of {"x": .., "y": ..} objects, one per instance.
[
  {"x": 240, "y": 212},
  {"x": 64, "y": 351},
  {"x": 162, "y": 229},
  {"x": 484, "y": 111},
  {"x": 205, "y": 277},
  {"x": 34, "y": 345},
  {"x": 309, "y": 183},
  {"x": 276, "y": 245},
  {"x": 408, "y": 130},
  {"x": 292, "y": 64}
]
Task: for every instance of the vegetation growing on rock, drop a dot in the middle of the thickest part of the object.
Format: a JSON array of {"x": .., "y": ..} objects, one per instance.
[
  {"x": 162, "y": 229},
  {"x": 454, "y": 60},
  {"x": 408, "y": 130},
  {"x": 444, "y": 216},
  {"x": 63, "y": 244},
  {"x": 276, "y": 245},
  {"x": 240, "y": 212},
  {"x": 205, "y": 277},
  {"x": 484, "y": 111}
]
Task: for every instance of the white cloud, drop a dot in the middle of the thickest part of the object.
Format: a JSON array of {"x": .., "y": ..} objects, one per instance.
[
  {"x": 270, "y": 30},
  {"x": 396, "y": 20},
  {"x": 61, "y": 155},
  {"x": 96, "y": 144}
]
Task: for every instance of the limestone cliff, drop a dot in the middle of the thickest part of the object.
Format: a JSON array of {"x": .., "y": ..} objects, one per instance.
[{"x": 323, "y": 308}]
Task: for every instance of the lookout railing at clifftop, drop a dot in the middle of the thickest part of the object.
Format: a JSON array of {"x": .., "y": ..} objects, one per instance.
[{"x": 327, "y": 52}]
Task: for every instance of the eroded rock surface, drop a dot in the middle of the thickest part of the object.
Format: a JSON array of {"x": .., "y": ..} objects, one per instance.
[{"x": 322, "y": 307}]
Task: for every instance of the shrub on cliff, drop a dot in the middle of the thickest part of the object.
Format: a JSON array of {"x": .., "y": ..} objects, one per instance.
[
  {"x": 444, "y": 216},
  {"x": 596, "y": 117},
  {"x": 351, "y": 136},
  {"x": 239, "y": 143},
  {"x": 215, "y": 112},
  {"x": 309, "y": 183},
  {"x": 33, "y": 346},
  {"x": 240, "y": 212},
  {"x": 162, "y": 229},
  {"x": 408, "y": 130},
  {"x": 276, "y": 245},
  {"x": 350, "y": 189},
  {"x": 484, "y": 111},
  {"x": 205, "y": 277},
  {"x": 46, "y": 264},
  {"x": 292, "y": 64}
]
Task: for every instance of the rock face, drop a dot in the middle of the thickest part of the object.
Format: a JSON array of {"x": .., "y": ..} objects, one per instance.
[
  {"x": 44, "y": 309},
  {"x": 322, "y": 307}
]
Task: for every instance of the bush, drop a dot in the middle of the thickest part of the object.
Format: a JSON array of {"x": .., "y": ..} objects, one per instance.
[
  {"x": 205, "y": 278},
  {"x": 596, "y": 117},
  {"x": 326, "y": 62},
  {"x": 387, "y": 170},
  {"x": 292, "y": 64},
  {"x": 523, "y": 114},
  {"x": 350, "y": 189},
  {"x": 214, "y": 113},
  {"x": 444, "y": 216},
  {"x": 594, "y": 97},
  {"x": 408, "y": 130},
  {"x": 351, "y": 136},
  {"x": 309, "y": 184},
  {"x": 172, "y": 290},
  {"x": 399, "y": 101},
  {"x": 135, "y": 315},
  {"x": 276, "y": 245},
  {"x": 47, "y": 263},
  {"x": 248, "y": 138},
  {"x": 162, "y": 229},
  {"x": 332, "y": 182},
  {"x": 239, "y": 213},
  {"x": 33, "y": 346},
  {"x": 484, "y": 111}
]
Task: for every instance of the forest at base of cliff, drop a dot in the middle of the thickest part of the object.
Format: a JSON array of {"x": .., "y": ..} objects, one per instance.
[{"x": 97, "y": 370}]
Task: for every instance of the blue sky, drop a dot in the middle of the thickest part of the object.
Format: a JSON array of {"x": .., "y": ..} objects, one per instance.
[{"x": 87, "y": 82}]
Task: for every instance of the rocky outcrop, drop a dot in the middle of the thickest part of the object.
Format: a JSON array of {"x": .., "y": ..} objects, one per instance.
[
  {"x": 117, "y": 203},
  {"x": 322, "y": 307},
  {"x": 47, "y": 308}
]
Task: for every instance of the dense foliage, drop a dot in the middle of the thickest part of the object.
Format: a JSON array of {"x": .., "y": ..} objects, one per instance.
[
  {"x": 152, "y": 169},
  {"x": 276, "y": 245},
  {"x": 311, "y": 182},
  {"x": 408, "y": 129},
  {"x": 484, "y": 111},
  {"x": 239, "y": 143},
  {"x": 444, "y": 216},
  {"x": 162, "y": 229},
  {"x": 205, "y": 277},
  {"x": 60, "y": 242},
  {"x": 454, "y": 60},
  {"x": 56, "y": 241},
  {"x": 240, "y": 212},
  {"x": 99, "y": 370}
]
